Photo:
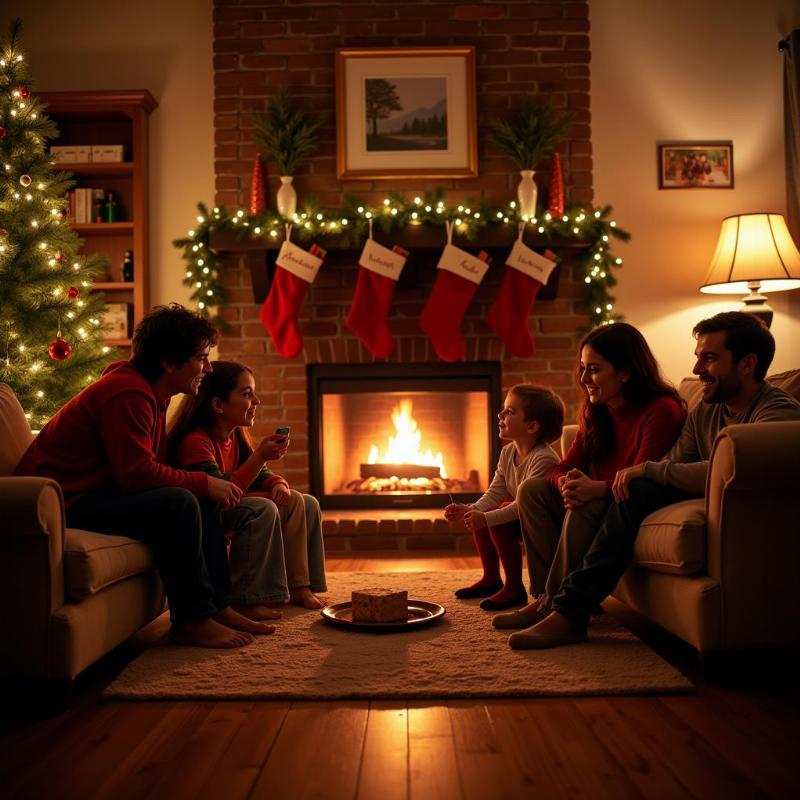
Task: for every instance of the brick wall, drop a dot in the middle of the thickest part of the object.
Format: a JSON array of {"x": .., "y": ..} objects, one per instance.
[{"x": 522, "y": 46}]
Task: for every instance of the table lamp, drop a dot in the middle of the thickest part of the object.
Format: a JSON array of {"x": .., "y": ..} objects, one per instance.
[{"x": 754, "y": 252}]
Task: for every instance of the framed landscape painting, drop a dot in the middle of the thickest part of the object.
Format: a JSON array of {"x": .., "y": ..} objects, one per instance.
[
  {"x": 695, "y": 165},
  {"x": 406, "y": 112}
]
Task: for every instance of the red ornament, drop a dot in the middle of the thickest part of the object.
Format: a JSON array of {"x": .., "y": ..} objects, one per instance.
[
  {"x": 59, "y": 256},
  {"x": 73, "y": 292},
  {"x": 24, "y": 93},
  {"x": 258, "y": 197},
  {"x": 556, "y": 194},
  {"x": 59, "y": 350},
  {"x": 2, "y": 132}
]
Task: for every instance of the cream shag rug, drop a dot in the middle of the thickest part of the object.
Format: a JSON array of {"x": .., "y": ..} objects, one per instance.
[{"x": 460, "y": 655}]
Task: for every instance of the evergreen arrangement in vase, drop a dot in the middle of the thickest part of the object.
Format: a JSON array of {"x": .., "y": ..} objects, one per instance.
[
  {"x": 531, "y": 133},
  {"x": 51, "y": 324},
  {"x": 287, "y": 136}
]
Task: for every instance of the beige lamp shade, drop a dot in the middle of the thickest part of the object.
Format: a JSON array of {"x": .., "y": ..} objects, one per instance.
[{"x": 753, "y": 249}]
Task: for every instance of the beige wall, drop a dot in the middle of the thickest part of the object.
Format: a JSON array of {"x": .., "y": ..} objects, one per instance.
[
  {"x": 161, "y": 45},
  {"x": 683, "y": 70},
  {"x": 687, "y": 69}
]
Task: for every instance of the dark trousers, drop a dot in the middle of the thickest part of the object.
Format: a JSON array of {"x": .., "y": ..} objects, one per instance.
[
  {"x": 186, "y": 535},
  {"x": 611, "y": 550}
]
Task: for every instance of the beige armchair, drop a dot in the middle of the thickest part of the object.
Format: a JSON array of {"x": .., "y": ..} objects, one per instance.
[
  {"x": 67, "y": 596},
  {"x": 720, "y": 572}
]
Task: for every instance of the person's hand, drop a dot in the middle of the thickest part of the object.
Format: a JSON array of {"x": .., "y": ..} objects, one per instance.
[
  {"x": 578, "y": 489},
  {"x": 474, "y": 520},
  {"x": 622, "y": 481},
  {"x": 455, "y": 511},
  {"x": 279, "y": 494},
  {"x": 226, "y": 493},
  {"x": 272, "y": 447}
]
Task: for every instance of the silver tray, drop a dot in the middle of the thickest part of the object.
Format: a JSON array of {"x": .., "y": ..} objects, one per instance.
[{"x": 420, "y": 613}]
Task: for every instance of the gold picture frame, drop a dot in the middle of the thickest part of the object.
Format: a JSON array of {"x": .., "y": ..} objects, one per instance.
[{"x": 406, "y": 112}]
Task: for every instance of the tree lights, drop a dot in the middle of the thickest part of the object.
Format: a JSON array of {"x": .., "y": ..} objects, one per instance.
[{"x": 51, "y": 341}]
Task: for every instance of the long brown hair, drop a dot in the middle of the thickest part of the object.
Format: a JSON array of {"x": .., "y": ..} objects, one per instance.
[
  {"x": 195, "y": 410},
  {"x": 624, "y": 347}
]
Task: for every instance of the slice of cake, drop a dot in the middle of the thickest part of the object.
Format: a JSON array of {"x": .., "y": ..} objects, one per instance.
[{"x": 379, "y": 605}]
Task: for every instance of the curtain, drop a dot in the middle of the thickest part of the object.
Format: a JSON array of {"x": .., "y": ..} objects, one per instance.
[{"x": 790, "y": 47}]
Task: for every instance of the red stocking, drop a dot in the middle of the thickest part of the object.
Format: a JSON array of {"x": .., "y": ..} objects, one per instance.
[
  {"x": 280, "y": 311},
  {"x": 506, "y": 539},
  {"x": 370, "y": 308},
  {"x": 379, "y": 269},
  {"x": 450, "y": 296},
  {"x": 441, "y": 317},
  {"x": 490, "y": 581},
  {"x": 508, "y": 316}
]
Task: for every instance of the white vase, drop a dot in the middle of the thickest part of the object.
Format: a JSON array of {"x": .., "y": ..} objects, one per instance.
[
  {"x": 526, "y": 194},
  {"x": 286, "y": 197}
]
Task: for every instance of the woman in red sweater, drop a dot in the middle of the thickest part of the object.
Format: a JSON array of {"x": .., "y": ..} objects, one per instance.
[
  {"x": 276, "y": 552},
  {"x": 628, "y": 414}
]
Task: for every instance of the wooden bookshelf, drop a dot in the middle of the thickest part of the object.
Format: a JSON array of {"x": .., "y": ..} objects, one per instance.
[{"x": 106, "y": 118}]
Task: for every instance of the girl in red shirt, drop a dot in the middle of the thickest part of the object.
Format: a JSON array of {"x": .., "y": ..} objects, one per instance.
[{"x": 276, "y": 552}]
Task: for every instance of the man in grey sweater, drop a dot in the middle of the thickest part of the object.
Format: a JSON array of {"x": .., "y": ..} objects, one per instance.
[{"x": 734, "y": 350}]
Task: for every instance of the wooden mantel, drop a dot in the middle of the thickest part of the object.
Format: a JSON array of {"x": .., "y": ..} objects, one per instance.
[{"x": 424, "y": 243}]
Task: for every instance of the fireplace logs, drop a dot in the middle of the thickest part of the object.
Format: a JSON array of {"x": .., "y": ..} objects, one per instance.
[{"x": 407, "y": 478}]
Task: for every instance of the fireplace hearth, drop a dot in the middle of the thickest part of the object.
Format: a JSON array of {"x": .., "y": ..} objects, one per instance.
[{"x": 402, "y": 435}]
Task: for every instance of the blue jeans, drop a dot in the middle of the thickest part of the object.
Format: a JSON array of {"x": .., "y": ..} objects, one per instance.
[
  {"x": 186, "y": 536},
  {"x": 611, "y": 550}
]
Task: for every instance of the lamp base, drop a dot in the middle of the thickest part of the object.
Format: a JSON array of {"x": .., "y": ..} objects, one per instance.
[{"x": 756, "y": 304}]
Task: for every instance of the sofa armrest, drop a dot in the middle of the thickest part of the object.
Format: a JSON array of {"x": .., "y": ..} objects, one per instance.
[
  {"x": 568, "y": 434},
  {"x": 31, "y": 570},
  {"x": 754, "y": 531}
]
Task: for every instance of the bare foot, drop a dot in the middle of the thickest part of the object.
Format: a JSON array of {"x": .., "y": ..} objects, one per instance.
[
  {"x": 208, "y": 633},
  {"x": 303, "y": 596},
  {"x": 233, "y": 619},
  {"x": 257, "y": 612}
]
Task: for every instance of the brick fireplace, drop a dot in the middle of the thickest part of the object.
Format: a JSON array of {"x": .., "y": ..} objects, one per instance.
[{"x": 541, "y": 48}]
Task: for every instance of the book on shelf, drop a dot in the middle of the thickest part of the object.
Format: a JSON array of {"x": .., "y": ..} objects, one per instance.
[{"x": 87, "y": 154}]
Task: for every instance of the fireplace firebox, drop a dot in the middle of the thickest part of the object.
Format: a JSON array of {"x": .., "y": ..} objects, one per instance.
[{"x": 402, "y": 435}]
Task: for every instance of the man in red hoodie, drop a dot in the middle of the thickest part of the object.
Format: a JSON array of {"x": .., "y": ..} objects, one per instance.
[{"x": 107, "y": 449}]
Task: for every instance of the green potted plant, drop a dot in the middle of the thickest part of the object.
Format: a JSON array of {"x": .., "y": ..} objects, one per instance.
[
  {"x": 287, "y": 136},
  {"x": 531, "y": 133}
]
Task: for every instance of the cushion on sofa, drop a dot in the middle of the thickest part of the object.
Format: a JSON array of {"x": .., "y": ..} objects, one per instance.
[
  {"x": 15, "y": 433},
  {"x": 95, "y": 560},
  {"x": 691, "y": 389},
  {"x": 673, "y": 539}
]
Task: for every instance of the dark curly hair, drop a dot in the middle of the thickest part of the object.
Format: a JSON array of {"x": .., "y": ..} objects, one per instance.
[
  {"x": 624, "y": 347},
  {"x": 169, "y": 333},
  {"x": 744, "y": 334}
]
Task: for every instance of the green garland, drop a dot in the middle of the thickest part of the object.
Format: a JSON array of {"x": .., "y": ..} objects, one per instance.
[{"x": 593, "y": 229}]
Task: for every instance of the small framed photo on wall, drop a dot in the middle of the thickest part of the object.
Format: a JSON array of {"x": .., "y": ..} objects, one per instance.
[{"x": 695, "y": 165}]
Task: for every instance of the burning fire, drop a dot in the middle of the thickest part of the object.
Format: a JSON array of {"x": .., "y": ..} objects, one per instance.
[{"x": 404, "y": 448}]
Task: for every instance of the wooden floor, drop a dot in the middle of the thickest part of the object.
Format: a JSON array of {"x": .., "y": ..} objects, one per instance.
[{"x": 721, "y": 742}]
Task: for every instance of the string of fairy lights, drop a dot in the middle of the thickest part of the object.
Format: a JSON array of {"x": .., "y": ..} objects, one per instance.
[
  {"x": 45, "y": 284},
  {"x": 590, "y": 228}
]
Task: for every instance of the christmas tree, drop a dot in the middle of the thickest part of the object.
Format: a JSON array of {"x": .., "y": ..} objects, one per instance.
[{"x": 51, "y": 325}]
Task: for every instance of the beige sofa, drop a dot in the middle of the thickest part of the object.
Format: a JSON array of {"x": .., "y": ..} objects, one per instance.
[
  {"x": 67, "y": 596},
  {"x": 720, "y": 572}
]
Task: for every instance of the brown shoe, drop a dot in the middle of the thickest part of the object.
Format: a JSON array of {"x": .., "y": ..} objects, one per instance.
[{"x": 519, "y": 619}]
